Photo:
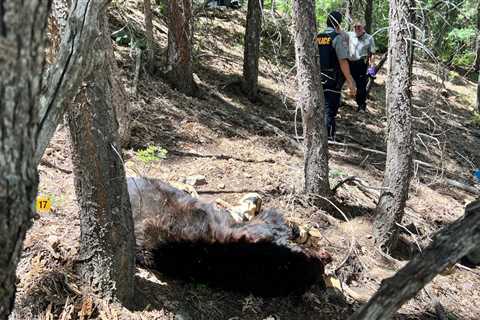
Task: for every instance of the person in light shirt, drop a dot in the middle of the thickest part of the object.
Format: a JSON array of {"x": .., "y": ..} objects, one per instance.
[{"x": 362, "y": 48}]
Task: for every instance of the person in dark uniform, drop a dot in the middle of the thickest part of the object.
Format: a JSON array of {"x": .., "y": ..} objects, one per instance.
[
  {"x": 362, "y": 48},
  {"x": 333, "y": 47}
]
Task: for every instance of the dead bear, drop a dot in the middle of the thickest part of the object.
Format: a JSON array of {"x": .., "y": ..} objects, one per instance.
[{"x": 183, "y": 237}]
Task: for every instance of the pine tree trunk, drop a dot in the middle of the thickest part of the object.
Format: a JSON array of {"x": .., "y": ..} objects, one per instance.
[
  {"x": 107, "y": 240},
  {"x": 349, "y": 12},
  {"x": 23, "y": 27},
  {"x": 120, "y": 98},
  {"x": 310, "y": 99},
  {"x": 478, "y": 85},
  {"x": 369, "y": 16},
  {"x": 478, "y": 56},
  {"x": 251, "y": 51},
  {"x": 147, "y": 11},
  {"x": 180, "y": 39},
  {"x": 398, "y": 167}
]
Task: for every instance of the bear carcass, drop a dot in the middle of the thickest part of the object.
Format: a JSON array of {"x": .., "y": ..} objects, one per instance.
[{"x": 183, "y": 237}]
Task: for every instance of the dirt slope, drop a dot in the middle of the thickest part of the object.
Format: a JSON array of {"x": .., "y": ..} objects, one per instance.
[{"x": 220, "y": 121}]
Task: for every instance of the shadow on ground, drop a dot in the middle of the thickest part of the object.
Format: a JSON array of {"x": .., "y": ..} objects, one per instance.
[{"x": 197, "y": 301}]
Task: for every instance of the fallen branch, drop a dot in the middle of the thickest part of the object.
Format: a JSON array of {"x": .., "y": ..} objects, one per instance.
[
  {"x": 462, "y": 186},
  {"x": 217, "y": 156},
  {"x": 461, "y": 266},
  {"x": 450, "y": 182},
  {"x": 49, "y": 164},
  {"x": 230, "y": 191},
  {"x": 447, "y": 247},
  {"x": 356, "y": 146},
  {"x": 358, "y": 182},
  {"x": 383, "y": 153},
  {"x": 342, "y": 182}
]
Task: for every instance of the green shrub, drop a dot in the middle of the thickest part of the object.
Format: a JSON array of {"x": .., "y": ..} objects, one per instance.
[{"x": 151, "y": 153}]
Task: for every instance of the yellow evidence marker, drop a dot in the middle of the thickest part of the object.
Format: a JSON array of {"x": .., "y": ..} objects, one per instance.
[{"x": 43, "y": 204}]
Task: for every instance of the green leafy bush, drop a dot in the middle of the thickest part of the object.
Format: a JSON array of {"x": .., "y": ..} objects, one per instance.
[{"x": 151, "y": 153}]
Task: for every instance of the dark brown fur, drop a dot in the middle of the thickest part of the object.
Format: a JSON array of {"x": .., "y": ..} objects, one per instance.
[{"x": 185, "y": 237}]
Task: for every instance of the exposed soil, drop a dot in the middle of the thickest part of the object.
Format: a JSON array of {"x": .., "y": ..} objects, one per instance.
[{"x": 221, "y": 121}]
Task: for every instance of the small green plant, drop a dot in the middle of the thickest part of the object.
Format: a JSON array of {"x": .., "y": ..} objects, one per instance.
[
  {"x": 126, "y": 38},
  {"x": 335, "y": 173},
  {"x": 475, "y": 120},
  {"x": 151, "y": 153}
]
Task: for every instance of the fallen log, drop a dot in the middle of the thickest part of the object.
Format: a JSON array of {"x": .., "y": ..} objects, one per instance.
[{"x": 186, "y": 238}]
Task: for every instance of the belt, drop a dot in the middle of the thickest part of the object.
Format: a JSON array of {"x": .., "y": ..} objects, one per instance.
[{"x": 362, "y": 59}]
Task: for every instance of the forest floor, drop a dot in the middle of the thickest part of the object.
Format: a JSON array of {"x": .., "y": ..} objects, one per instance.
[{"x": 221, "y": 121}]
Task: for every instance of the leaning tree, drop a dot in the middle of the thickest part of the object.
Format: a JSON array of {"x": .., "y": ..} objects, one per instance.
[{"x": 448, "y": 246}]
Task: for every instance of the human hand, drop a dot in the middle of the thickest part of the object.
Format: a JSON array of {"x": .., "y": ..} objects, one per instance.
[
  {"x": 352, "y": 88},
  {"x": 371, "y": 72}
]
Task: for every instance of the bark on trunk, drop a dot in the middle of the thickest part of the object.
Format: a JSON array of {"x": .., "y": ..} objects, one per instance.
[
  {"x": 73, "y": 63},
  {"x": 447, "y": 247},
  {"x": 310, "y": 99},
  {"x": 251, "y": 51},
  {"x": 349, "y": 12},
  {"x": 180, "y": 37},
  {"x": 478, "y": 56},
  {"x": 120, "y": 98},
  {"x": 397, "y": 174},
  {"x": 107, "y": 240},
  {"x": 369, "y": 16},
  {"x": 23, "y": 27},
  {"x": 478, "y": 86},
  {"x": 147, "y": 11}
]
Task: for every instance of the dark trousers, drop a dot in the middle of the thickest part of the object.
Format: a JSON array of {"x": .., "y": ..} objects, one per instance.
[
  {"x": 332, "y": 87},
  {"x": 358, "y": 70}
]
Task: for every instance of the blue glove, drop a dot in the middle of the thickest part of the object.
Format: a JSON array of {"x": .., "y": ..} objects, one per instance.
[
  {"x": 371, "y": 72},
  {"x": 476, "y": 175}
]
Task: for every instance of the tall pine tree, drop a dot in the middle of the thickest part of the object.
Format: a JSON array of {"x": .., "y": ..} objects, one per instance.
[
  {"x": 396, "y": 181},
  {"x": 310, "y": 98}
]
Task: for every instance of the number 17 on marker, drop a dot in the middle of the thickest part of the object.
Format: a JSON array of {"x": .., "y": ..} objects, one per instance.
[{"x": 43, "y": 204}]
